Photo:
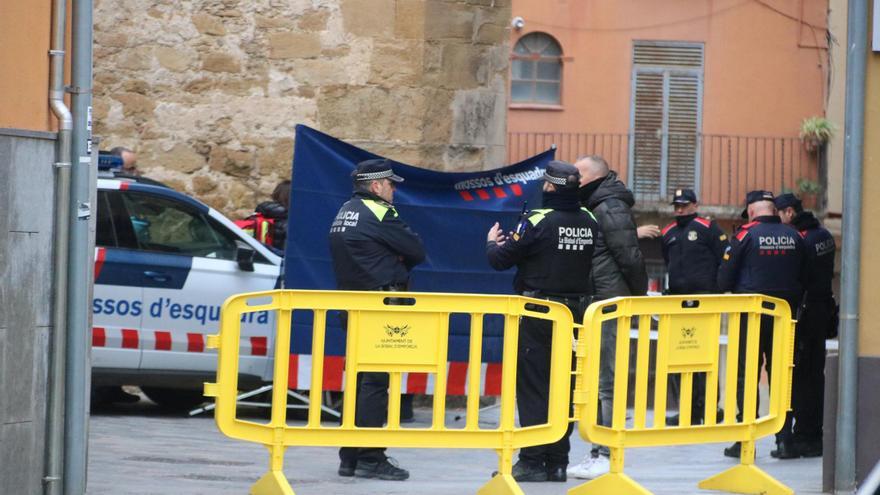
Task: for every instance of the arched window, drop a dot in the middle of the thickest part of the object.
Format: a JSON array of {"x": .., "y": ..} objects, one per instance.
[{"x": 536, "y": 70}]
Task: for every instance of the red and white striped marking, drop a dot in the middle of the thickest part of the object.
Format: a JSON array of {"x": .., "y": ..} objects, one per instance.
[
  {"x": 163, "y": 340},
  {"x": 300, "y": 376},
  {"x": 300, "y": 365},
  {"x": 492, "y": 192}
]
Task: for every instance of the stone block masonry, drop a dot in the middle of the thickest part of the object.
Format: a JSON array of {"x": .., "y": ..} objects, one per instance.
[{"x": 208, "y": 91}]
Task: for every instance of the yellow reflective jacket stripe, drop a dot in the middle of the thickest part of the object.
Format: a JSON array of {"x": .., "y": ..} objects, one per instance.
[{"x": 379, "y": 209}]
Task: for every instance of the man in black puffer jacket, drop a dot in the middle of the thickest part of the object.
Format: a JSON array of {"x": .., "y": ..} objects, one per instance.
[{"x": 618, "y": 270}]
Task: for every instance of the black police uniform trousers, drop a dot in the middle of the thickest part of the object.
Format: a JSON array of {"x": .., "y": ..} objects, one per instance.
[
  {"x": 765, "y": 360},
  {"x": 533, "y": 388},
  {"x": 698, "y": 388},
  {"x": 371, "y": 408},
  {"x": 808, "y": 377}
]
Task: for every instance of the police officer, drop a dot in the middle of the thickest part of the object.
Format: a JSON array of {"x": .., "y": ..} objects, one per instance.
[
  {"x": 765, "y": 257},
  {"x": 552, "y": 250},
  {"x": 372, "y": 249},
  {"x": 692, "y": 249},
  {"x": 817, "y": 322}
]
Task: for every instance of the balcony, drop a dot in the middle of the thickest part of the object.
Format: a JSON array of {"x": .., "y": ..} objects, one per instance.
[{"x": 720, "y": 168}]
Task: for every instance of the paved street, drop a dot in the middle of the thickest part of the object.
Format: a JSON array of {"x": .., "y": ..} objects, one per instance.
[{"x": 137, "y": 449}]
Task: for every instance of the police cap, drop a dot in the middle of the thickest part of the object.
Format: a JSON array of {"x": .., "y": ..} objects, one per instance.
[
  {"x": 788, "y": 199},
  {"x": 684, "y": 196},
  {"x": 754, "y": 197},
  {"x": 377, "y": 168},
  {"x": 563, "y": 175}
]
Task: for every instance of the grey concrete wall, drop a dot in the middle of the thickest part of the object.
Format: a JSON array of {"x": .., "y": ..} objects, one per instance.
[
  {"x": 867, "y": 424},
  {"x": 26, "y": 220}
]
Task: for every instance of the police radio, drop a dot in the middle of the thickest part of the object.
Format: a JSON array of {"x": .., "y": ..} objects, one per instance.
[{"x": 521, "y": 222}]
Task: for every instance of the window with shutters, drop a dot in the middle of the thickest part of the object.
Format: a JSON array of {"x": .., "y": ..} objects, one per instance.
[
  {"x": 667, "y": 87},
  {"x": 536, "y": 70}
]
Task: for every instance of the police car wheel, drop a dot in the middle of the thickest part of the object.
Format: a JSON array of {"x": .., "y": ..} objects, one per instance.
[{"x": 174, "y": 399}]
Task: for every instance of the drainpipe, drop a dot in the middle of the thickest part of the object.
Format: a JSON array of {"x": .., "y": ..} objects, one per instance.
[
  {"x": 52, "y": 478},
  {"x": 79, "y": 270},
  {"x": 854, "y": 129}
]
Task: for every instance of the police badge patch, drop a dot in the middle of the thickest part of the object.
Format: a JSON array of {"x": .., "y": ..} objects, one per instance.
[{"x": 692, "y": 235}]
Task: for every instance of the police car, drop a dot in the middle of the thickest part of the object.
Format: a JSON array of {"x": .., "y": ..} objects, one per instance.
[{"x": 164, "y": 264}]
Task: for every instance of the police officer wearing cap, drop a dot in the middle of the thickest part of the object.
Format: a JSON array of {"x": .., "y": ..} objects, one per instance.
[
  {"x": 817, "y": 321},
  {"x": 765, "y": 257},
  {"x": 372, "y": 249},
  {"x": 552, "y": 249},
  {"x": 692, "y": 249}
]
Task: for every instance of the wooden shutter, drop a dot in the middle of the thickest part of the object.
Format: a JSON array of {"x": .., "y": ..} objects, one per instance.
[
  {"x": 647, "y": 132},
  {"x": 667, "y": 84},
  {"x": 682, "y": 127}
]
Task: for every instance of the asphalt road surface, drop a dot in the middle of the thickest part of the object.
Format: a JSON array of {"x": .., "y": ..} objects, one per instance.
[{"x": 138, "y": 449}]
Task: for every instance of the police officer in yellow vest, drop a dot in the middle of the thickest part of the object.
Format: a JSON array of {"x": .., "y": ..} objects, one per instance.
[
  {"x": 372, "y": 249},
  {"x": 553, "y": 251}
]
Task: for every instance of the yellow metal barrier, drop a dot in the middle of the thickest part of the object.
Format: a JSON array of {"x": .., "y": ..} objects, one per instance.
[
  {"x": 384, "y": 336},
  {"x": 688, "y": 335}
]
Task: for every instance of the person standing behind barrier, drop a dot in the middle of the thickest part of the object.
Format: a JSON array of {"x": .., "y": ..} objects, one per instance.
[
  {"x": 618, "y": 270},
  {"x": 765, "y": 257},
  {"x": 372, "y": 249},
  {"x": 692, "y": 249},
  {"x": 552, "y": 250},
  {"x": 816, "y": 323}
]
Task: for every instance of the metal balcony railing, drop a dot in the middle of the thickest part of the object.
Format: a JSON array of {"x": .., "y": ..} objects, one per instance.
[{"x": 720, "y": 168}]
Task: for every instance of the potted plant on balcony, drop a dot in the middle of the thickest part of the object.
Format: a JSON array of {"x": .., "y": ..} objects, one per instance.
[
  {"x": 815, "y": 132},
  {"x": 809, "y": 190}
]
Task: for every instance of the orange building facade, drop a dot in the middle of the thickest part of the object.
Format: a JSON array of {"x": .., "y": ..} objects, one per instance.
[
  {"x": 705, "y": 94},
  {"x": 25, "y": 28}
]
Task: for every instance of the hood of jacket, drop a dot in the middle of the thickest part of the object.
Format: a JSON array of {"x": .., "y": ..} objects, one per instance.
[
  {"x": 805, "y": 220},
  {"x": 611, "y": 187}
]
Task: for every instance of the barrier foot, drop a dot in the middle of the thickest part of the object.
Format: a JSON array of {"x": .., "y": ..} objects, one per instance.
[
  {"x": 616, "y": 483},
  {"x": 501, "y": 484},
  {"x": 745, "y": 478},
  {"x": 272, "y": 483}
]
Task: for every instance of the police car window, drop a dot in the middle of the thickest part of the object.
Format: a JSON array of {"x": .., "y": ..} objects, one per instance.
[
  {"x": 120, "y": 220},
  {"x": 105, "y": 234},
  {"x": 231, "y": 237},
  {"x": 168, "y": 226}
]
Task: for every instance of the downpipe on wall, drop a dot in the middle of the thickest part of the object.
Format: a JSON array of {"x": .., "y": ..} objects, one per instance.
[{"x": 54, "y": 454}]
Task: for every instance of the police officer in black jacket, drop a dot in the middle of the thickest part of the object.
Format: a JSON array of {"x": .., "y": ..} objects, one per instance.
[
  {"x": 692, "y": 249},
  {"x": 817, "y": 322},
  {"x": 372, "y": 249},
  {"x": 765, "y": 257},
  {"x": 552, "y": 250}
]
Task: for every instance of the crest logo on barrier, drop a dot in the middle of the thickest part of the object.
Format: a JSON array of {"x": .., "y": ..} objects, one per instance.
[
  {"x": 399, "y": 331},
  {"x": 688, "y": 333}
]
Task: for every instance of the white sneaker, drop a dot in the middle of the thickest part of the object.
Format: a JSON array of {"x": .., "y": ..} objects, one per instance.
[
  {"x": 581, "y": 469},
  {"x": 600, "y": 466}
]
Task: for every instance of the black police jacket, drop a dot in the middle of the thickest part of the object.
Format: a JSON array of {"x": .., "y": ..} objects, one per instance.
[
  {"x": 693, "y": 248},
  {"x": 765, "y": 257},
  {"x": 372, "y": 248},
  {"x": 552, "y": 249},
  {"x": 820, "y": 255}
]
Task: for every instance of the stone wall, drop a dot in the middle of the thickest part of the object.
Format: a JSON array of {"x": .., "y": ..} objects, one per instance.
[{"x": 208, "y": 91}]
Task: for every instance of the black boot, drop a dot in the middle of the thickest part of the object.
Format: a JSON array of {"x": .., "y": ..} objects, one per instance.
[
  {"x": 528, "y": 471},
  {"x": 809, "y": 448},
  {"x": 785, "y": 450},
  {"x": 346, "y": 468},
  {"x": 557, "y": 473},
  {"x": 734, "y": 450},
  {"x": 385, "y": 469}
]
